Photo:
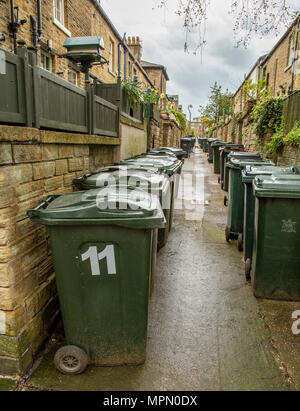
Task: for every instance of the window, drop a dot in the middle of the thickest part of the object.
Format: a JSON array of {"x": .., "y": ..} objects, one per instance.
[
  {"x": 291, "y": 51},
  {"x": 59, "y": 11},
  {"x": 46, "y": 61},
  {"x": 72, "y": 77},
  {"x": 111, "y": 66}
]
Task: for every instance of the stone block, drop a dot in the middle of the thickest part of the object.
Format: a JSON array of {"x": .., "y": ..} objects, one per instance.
[
  {"x": 65, "y": 151},
  {"x": 5, "y": 154},
  {"x": 49, "y": 152},
  {"x": 26, "y": 153},
  {"x": 53, "y": 184},
  {"x": 81, "y": 150},
  {"x": 61, "y": 167},
  {"x": 75, "y": 164},
  {"x": 6, "y": 197},
  {"x": 43, "y": 170},
  {"x": 18, "y": 174}
]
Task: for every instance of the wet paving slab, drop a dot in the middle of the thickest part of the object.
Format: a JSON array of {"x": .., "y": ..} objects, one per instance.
[{"x": 206, "y": 329}]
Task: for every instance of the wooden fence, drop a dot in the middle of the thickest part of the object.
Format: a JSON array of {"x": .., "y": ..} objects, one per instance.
[
  {"x": 291, "y": 110},
  {"x": 32, "y": 96}
]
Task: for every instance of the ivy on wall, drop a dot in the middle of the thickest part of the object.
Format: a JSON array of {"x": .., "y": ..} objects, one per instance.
[{"x": 267, "y": 115}]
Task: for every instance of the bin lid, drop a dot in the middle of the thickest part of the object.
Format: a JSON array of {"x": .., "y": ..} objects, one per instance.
[
  {"x": 250, "y": 171},
  {"x": 166, "y": 165},
  {"x": 112, "y": 205},
  {"x": 174, "y": 150},
  {"x": 131, "y": 177},
  {"x": 244, "y": 154},
  {"x": 161, "y": 153},
  {"x": 232, "y": 147},
  {"x": 218, "y": 143},
  {"x": 277, "y": 186},
  {"x": 241, "y": 163}
]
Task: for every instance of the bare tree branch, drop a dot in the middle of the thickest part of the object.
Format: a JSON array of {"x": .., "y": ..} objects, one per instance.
[{"x": 251, "y": 17}]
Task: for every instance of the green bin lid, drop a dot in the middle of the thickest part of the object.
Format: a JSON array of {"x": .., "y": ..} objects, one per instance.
[
  {"x": 232, "y": 147},
  {"x": 112, "y": 205},
  {"x": 166, "y": 165},
  {"x": 131, "y": 177},
  {"x": 161, "y": 153},
  {"x": 175, "y": 150},
  {"x": 218, "y": 143},
  {"x": 241, "y": 163},
  {"x": 250, "y": 171},
  {"x": 277, "y": 186}
]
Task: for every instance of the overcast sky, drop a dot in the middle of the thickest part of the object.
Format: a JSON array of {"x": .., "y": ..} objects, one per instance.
[{"x": 163, "y": 39}]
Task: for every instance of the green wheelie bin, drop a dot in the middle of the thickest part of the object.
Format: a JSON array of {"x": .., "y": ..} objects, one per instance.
[
  {"x": 235, "y": 216},
  {"x": 276, "y": 257},
  {"x": 237, "y": 154},
  {"x": 186, "y": 145},
  {"x": 102, "y": 251},
  {"x": 248, "y": 175},
  {"x": 216, "y": 154},
  {"x": 176, "y": 163},
  {"x": 210, "y": 156},
  {"x": 166, "y": 166},
  {"x": 224, "y": 151},
  {"x": 205, "y": 145},
  {"x": 146, "y": 179}
]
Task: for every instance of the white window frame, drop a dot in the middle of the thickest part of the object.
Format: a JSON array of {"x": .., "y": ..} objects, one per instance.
[
  {"x": 291, "y": 55},
  {"x": 46, "y": 55},
  {"x": 111, "y": 59},
  {"x": 60, "y": 22},
  {"x": 76, "y": 76}
]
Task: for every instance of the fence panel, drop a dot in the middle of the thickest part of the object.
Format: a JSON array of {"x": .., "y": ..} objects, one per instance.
[
  {"x": 59, "y": 104},
  {"x": 105, "y": 118},
  {"x": 291, "y": 110},
  {"x": 12, "y": 90}
]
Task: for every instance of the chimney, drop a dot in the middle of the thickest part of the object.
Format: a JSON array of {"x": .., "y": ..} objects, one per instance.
[{"x": 135, "y": 46}]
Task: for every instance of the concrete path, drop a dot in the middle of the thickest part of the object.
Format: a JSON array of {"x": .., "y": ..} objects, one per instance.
[{"x": 205, "y": 331}]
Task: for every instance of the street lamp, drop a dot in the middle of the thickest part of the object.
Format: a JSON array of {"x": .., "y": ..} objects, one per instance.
[{"x": 189, "y": 108}]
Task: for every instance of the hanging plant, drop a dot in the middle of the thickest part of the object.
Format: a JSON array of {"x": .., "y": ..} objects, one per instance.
[{"x": 134, "y": 92}]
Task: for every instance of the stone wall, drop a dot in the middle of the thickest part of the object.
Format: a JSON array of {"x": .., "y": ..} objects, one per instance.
[
  {"x": 133, "y": 137},
  {"x": 156, "y": 139},
  {"x": 34, "y": 164}
]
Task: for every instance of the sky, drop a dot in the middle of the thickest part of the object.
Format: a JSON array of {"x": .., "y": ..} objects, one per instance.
[{"x": 163, "y": 36}]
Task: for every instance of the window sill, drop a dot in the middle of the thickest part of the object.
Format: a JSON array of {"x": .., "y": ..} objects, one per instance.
[
  {"x": 61, "y": 27},
  {"x": 288, "y": 67},
  {"x": 112, "y": 73}
]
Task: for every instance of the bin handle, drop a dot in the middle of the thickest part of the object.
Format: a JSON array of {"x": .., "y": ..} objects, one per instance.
[{"x": 42, "y": 205}]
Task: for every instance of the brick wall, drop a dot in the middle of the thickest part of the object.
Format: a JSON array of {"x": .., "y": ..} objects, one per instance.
[
  {"x": 34, "y": 164},
  {"x": 82, "y": 18}
]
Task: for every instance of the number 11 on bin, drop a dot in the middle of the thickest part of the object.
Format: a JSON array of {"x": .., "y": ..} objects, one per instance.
[{"x": 108, "y": 253}]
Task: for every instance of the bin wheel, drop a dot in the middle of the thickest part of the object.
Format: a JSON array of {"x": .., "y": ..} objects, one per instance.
[
  {"x": 219, "y": 180},
  {"x": 248, "y": 269},
  {"x": 70, "y": 360},
  {"x": 227, "y": 234},
  {"x": 225, "y": 201},
  {"x": 240, "y": 244}
]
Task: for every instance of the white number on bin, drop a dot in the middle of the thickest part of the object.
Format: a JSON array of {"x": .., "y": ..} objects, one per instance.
[{"x": 94, "y": 257}]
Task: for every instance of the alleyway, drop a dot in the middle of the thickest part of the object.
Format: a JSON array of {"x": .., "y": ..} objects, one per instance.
[{"x": 205, "y": 332}]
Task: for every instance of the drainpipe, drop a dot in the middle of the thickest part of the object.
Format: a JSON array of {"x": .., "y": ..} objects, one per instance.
[
  {"x": 122, "y": 43},
  {"x": 39, "y": 13},
  {"x": 34, "y": 31},
  {"x": 13, "y": 25}
]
